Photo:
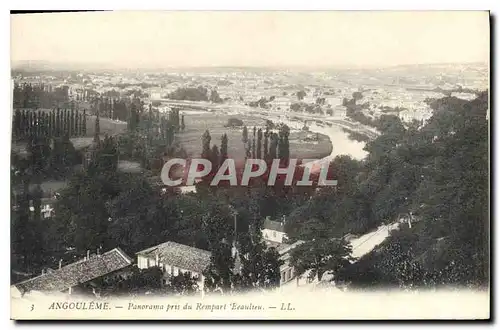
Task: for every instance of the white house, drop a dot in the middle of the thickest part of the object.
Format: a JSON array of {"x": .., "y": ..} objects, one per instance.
[
  {"x": 286, "y": 270},
  {"x": 274, "y": 231},
  {"x": 275, "y": 236},
  {"x": 175, "y": 259}
]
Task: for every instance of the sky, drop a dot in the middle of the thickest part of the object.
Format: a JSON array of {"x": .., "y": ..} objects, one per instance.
[{"x": 163, "y": 39}]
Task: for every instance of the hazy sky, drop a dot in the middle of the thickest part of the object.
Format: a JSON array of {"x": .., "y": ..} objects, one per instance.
[{"x": 164, "y": 39}]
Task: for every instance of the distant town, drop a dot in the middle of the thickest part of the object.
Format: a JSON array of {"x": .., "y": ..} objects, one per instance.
[{"x": 91, "y": 216}]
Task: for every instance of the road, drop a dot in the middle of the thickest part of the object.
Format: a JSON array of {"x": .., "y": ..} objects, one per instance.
[{"x": 360, "y": 246}]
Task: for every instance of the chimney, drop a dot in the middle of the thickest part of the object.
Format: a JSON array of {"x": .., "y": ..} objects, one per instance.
[
  {"x": 43, "y": 271},
  {"x": 88, "y": 254},
  {"x": 60, "y": 263}
]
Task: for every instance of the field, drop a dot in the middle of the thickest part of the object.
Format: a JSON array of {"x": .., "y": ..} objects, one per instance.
[
  {"x": 198, "y": 121},
  {"x": 106, "y": 126},
  {"x": 196, "y": 124}
]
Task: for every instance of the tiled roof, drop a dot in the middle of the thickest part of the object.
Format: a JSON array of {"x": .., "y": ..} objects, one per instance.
[
  {"x": 274, "y": 225},
  {"x": 77, "y": 273},
  {"x": 290, "y": 247},
  {"x": 179, "y": 255}
]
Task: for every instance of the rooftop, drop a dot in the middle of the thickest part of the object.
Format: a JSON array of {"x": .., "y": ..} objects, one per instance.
[
  {"x": 274, "y": 225},
  {"x": 179, "y": 255},
  {"x": 77, "y": 273},
  {"x": 282, "y": 248}
]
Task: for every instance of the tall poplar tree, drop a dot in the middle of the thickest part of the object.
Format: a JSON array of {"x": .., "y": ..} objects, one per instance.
[
  {"x": 84, "y": 123},
  {"x": 244, "y": 137},
  {"x": 266, "y": 144},
  {"x": 259, "y": 144},
  {"x": 223, "y": 148},
  {"x": 205, "y": 140}
]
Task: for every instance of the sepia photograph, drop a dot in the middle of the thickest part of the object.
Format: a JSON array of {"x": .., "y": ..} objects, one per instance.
[{"x": 265, "y": 165}]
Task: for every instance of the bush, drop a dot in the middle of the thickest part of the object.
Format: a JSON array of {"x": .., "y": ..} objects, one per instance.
[
  {"x": 189, "y": 94},
  {"x": 234, "y": 122}
]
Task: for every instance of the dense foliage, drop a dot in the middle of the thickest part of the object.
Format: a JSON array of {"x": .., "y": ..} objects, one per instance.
[{"x": 435, "y": 175}]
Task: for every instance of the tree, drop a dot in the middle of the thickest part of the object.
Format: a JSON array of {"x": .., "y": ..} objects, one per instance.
[
  {"x": 106, "y": 157},
  {"x": 214, "y": 97},
  {"x": 78, "y": 131},
  {"x": 84, "y": 123},
  {"x": 259, "y": 144},
  {"x": 419, "y": 172},
  {"x": 141, "y": 281},
  {"x": 253, "y": 143},
  {"x": 137, "y": 228},
  {"x": 39, "y": 154},
  {"x": 205, "y": 142},
  {"x": 244, "y": 138},
  {"x": 67, "y": 122},
  {"x": 183, "y": 284},
  {"x": 223, "y": 148},
  {"x": 97, "y": 129},
  {"x": 234, "y": 122},
  {"x": 357, "y": 96},
  {"x": 82, "y": 217},
  {"x": 63, "y": 156},
  {"x": 283, "y": 144},
  {"x": 215, "y": 158},
  {"x": 260, "y": 265},
  {"x": 300, "y": 95},
  {"x": 320, "y": 256},
  {"x": 219, "y": 273},
  {"x": 248, "y": 149},
  {"x": 71, "y": 122},
  {"x": 269, "y": 125},
  {"x": 57, "y": 122},
  {"x": 320, "y": 101},
  {"x": 273, "y": 148},
  {"x": 266, "y": 145}
]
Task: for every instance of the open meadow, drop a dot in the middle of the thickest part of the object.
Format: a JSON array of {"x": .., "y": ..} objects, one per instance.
[{"x": 199, "y": 121}]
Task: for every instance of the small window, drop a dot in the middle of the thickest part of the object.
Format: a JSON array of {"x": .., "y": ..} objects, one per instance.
[{"x": 274, "y": 234}]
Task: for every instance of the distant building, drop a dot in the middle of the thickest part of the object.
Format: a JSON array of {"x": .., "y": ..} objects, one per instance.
[
  {"x": 286, "y": 270},
  {"x": 274, "y": 231},
  {"x": 75, "y": 275},
  {"x": 408, "y": 115},
  {"x": 275, "y": 237},
  {"x": 464, "y": 96},
  {"x": 340, "y": 111},
  {"x": 281, "y": 103},
  {"x": 47, "y": 211}
]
